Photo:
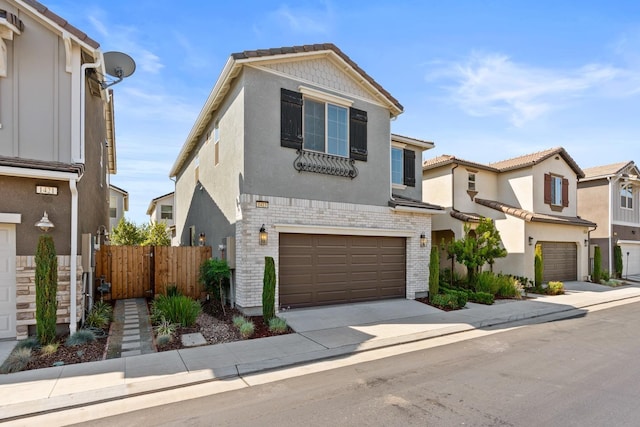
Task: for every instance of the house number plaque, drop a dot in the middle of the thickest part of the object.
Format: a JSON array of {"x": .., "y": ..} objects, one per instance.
[
  {"x": 262, "y": 204},
  {"x": 50, "y": 191}
]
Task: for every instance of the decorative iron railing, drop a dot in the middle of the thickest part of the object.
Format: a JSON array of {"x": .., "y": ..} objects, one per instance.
[{"x": 311, "y": 161}]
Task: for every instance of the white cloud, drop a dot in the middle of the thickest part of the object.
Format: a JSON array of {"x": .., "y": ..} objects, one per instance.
[
  {"x": 492, "y": 84},
  {"x": 305, "y": 21}
]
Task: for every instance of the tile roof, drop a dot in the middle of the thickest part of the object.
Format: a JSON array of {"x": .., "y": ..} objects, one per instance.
[
  {"x": 248, "y": 54},
  {"x": 447, "y": 159},
  {"x": 62, "y": 23},
  {"x": 534, "y": 217},
  {"x": 466, "y": 216},
  {"x": 398, "y": 200},
  {"x": 535, "y": 158},
  {"x": 17, "y": 162},
  {"x": 606, "y": 170}
]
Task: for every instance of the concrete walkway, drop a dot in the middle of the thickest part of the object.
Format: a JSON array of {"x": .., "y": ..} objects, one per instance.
[
  {"x": 31, "y": 392},
  {"x": 131, "y": 333}
]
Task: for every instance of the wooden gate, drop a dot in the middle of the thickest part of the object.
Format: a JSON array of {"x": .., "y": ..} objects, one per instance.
[{"x": 143, "y": 271}]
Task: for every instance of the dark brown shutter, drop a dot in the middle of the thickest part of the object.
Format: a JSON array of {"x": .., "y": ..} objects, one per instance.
[
  {"x": 565, "y": 192},
  {"x": 290, "y": 119},
  {"x": 547, "y": 189},
  {"x": 358, "y": 134},
  {"x": 409, "y": 168}
]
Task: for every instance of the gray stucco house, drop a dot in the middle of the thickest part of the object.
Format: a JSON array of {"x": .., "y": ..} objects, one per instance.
[
  {"x": 292, "y": 157},
  {"x": 57, "y": 149}
]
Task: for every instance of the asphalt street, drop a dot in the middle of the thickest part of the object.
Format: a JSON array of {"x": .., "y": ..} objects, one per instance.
[{"x": 582, "y": 371}]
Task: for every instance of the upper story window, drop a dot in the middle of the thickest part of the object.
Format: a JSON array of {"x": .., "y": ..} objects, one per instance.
[
  {"x": 325, "y": 128},
  {"x": 556, "y": 191},
  {"x": 397, "y": 176},
  {"x": 113, "y": 207},
  {"x": 166, "y": 212},
  {"x": 403, "y": 166},
  {"x": 626, "y": 196},
  {"x": 471, "y": 182}
]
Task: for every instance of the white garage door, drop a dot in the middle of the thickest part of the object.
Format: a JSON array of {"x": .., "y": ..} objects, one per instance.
[
  {"x": 630, "y": 263},
  {"x": 7, "y": 280}
]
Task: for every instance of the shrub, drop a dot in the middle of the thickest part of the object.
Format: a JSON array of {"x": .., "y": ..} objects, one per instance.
[
  {"x": 82, "y": 336},
  {"x": 247, "y": 329},
  {"x": 50, "y": 348},
  {"x": 30, "y": 343},
  {"x": 481, "y": 298},
  {"x": 17, "y": 360},
  {"x": 461, "y": 297},
  {"x": 214, "y": 273},
  {"x": 487, "y": 281},
  {"x": 596, "y": 274},
  {"x": 269, "y": 290},
  {"x": 617, "y": 261},
  {"x": 178, "y": 309},
  {"x": 172, "y": 290},
  {"x": 555, "y": 288},
  {"x": 605, "y": 275},
  {"x": 445, "y": 301},
  {"x": 538, "y": 266},
  {"x": 278, "y": 325},
  {"x": 99, "y": 316},
  {"x": 434, "y": 271},
  {"x": 163, "y": 339},
  {"x": 509, "y": 287},
  {"x": 164, "y": 327},
  {"x": 46, "y": 289},
  {"x": 238, "y": 321}
]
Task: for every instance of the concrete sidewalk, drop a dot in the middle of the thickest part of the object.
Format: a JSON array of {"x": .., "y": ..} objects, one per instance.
[{"x": 31, "y": 392}]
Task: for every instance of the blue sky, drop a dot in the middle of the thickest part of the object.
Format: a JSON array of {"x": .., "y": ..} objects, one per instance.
[{"x": 484, "y": 80}]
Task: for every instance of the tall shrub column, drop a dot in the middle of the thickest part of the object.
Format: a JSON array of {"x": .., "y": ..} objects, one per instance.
[
  {"x": 269, "y": 290},
  {"x": 46, "y": 290},
  {"x": 617, "y": 259},
  {"x": 434, "y": 272},
  {"x": 597, "y": 265},
  {"x": 538, "y": 266}
]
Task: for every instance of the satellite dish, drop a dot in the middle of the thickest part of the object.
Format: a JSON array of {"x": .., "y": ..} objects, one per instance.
[{"x": 118, "y": 65}]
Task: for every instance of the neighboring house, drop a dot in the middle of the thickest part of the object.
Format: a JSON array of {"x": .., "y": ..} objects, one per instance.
[
  {"x": 118, "y": 205},
  {"x": 161, "y": 210},
  {"x": 532, "y": 200},
  {"x": 291, "y": 158},
  {"x": 57, "y": 149},
  {"x": 609, "y": 195}
]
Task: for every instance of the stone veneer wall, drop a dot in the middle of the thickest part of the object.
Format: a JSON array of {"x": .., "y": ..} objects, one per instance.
[
  {"x": 250, "y": 255},
  {"x": 26, "y": 292}
]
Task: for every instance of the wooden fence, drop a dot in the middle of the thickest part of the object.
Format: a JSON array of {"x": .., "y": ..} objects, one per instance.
[{"x": 143, "y": 271}]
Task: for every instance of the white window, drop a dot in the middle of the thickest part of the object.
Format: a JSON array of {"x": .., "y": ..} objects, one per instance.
[
  {"x": 626, "y": 196},
  {"x": 166, "y": 212},
  {"x": 556, "y": 190},
  {"x": 397, "y": 174},
  {"x": 113, "y": 207},
  {"x": 326, "y": 128},
  {"x": 471, "y": 186}
]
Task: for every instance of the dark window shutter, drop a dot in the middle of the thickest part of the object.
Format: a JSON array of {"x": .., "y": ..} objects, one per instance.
[
  {"x": 290, "y": 119},
  {"x": 358, "y": 134},
  {"x": 547, "y": 189},
  {"x": 409, "y": 167},
  {"x": 565, "y": 192}
]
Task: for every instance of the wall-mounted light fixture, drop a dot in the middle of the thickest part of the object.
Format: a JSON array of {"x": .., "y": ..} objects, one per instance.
[
  {"x": 101, "y": 231},
  {"x": 530, "y": 241},
  {"x": 586, "y": 243},
  {"x": 423, "y": 240},
  {"x": 44, "y": 224},
  {"x": 202, "y": 239},
  {"x": 264, "y": 236}
]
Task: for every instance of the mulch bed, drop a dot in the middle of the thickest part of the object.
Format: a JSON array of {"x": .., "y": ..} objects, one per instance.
[{"x": 89, "y": 352}]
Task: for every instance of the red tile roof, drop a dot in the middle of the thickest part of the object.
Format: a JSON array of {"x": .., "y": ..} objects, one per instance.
[
  {"x": 534, "y": 158},
  {"x": 62, "y": 23},
  {"x": 534, "y": 217},
  {"x": 606, "y": 170},
  {"x": 447, "y": 159}
]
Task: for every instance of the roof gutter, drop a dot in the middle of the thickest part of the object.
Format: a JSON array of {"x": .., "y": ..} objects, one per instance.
[{"x": 418, "y": 210}]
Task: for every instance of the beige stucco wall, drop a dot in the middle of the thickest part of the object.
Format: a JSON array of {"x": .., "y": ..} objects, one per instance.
[
  {"x": 436, "y": 186},
  {"x": 593, "y": 205},
  {"x": 557, "y": 166}
]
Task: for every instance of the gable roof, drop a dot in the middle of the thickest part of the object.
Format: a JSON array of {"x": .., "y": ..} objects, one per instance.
[
  {"x": 466, "y": 216},
  {"x": 607, "y": 170},
  {"x": 533, "y": 216},
  {"x": 534, "y": 158},
  {"x": 424, "y": 145},
  {"x": 237, "y": 60},
  {"x": 61, "y": 23},
  {"x": 447, "y": 159},
  {"x": 155, "y": 201},
  {"x": 398, "y": 201}
]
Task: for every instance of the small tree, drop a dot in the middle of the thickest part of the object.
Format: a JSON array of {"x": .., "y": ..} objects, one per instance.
[
  {"x": 269, "y": 290},
  {"x": 538, "y": 266},
  {"x": 213, "y": 272},
  {"x": 596, "y": 274},
  {"x": 434, "y": 272},
  {"x": 156, "y": 235},
  {"x": 46, "y": 290},
  {"x": 127, "y": 233},
  {"x": 617, "y": 260}
]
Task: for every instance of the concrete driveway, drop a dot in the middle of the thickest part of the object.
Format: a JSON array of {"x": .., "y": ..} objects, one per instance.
[{"x": 363, "y": 313}]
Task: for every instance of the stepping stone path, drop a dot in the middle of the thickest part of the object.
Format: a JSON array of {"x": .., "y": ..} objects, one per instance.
[{"x": 131, "y": 332}]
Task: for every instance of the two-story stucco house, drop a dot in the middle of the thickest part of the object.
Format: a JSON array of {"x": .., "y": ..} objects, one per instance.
[
  {"x": 118, "y": 205},
  {"x": 532, "y": 200},
  {"x": 609, "y": 195},
  {"x": 161, "y": 210},
  {"x": 56, "y": 152},
  {"x": 291, "y": 158}
]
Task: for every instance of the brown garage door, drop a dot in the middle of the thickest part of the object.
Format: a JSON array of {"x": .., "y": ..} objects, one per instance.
[
  {"x": 328, "y": 269},
  {"x": 560, "y": 260}
]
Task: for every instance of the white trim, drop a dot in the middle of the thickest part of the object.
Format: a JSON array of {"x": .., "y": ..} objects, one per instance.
[
  {"x": 73, "y": 264},
  {"x": 628, "y": 242},
  {"x": 350, "y": 231},
  {"x": 323, "y": 96},
  {"x": 10, "y": 218},
  {"x": 37, "y": 173},
  {"x": 426, "y": 145},
  {"x": 395, "y": 144},
  {"x": 418, "y": 210},
  {"x": 627, "y": 224},
  {"x": 399, "y": 186}
]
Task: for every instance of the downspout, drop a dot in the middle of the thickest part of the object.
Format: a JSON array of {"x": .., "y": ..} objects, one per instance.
[
  {"x": 453, "y": 187},
  {"x": 73, "y": 264},
  {"x": 610, "y": 221},
  {"x": 175, "y": 210},
  {"x": 83, "y": 82}
]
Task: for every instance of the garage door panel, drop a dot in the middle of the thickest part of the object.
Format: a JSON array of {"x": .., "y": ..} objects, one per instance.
[
  {"x": 339, "y": 269},
  {"x": 631, "y": 262},
  {"x": 560, "y": 260}
]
